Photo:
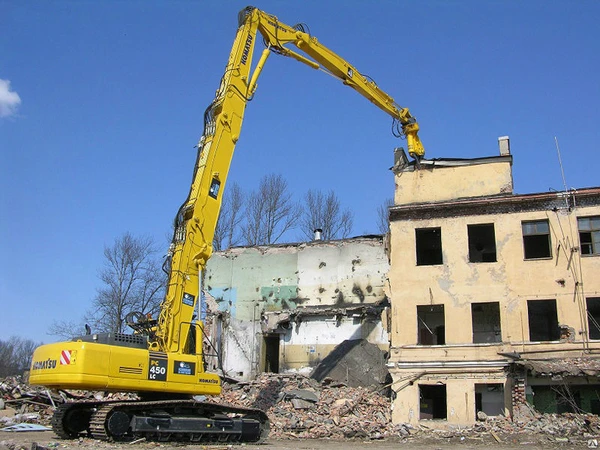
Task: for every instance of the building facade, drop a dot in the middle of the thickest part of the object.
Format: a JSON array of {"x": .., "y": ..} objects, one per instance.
[{"x": 486, "y": 285}]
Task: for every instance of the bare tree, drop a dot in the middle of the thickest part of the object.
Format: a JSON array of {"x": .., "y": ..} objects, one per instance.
[
  {"x": 15, "y": 355},
  {"x": 270, "y": 212},
  {"x": 324, "y": 212},
  {"x": 66, "y": 329},
  {"x": 383, "y": 216},
  {"x": 132, "y": 282},
  {"x": 228, "y": 230}
]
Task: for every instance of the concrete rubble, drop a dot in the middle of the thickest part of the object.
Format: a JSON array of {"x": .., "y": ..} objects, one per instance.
[
  {"x": 299, "y": 407},
  {"x": 355, "y": 363},
  {"x": 21, "y": 403}
]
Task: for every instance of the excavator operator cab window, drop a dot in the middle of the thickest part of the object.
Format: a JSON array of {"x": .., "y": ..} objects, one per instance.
[
  {"x": 190, "y": 343},
  {"x": 215, "y": 187}
]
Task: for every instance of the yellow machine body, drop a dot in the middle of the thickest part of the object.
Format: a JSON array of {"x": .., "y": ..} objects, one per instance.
[{"x": 101, "y": 367}]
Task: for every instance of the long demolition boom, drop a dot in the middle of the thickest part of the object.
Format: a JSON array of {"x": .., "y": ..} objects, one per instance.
[{"x": 196, "y": 220}]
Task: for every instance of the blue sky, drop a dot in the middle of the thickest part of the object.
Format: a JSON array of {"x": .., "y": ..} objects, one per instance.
[{"x": 110, "y": 95}]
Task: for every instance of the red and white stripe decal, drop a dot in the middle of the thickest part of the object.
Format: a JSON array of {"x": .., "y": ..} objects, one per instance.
[{"x": 65, "y": 357}]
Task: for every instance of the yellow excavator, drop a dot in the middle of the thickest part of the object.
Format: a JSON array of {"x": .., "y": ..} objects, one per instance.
[{"x": 162, "y": 360}]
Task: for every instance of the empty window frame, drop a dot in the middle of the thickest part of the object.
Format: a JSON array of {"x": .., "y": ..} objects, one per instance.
[
  {"x": 431, "y": 325},
  {"x": 536, "y": 239},
  {"x": 486, "y": 322},
  {"x": 429, "y": 246},
  {"x": 593, "y": 314},
  {"x": 432, "y": 402},
  {"x": 543, "y": 320},
  {"x": 482, "y": 243},
  {"x": 589, "y": 235}
]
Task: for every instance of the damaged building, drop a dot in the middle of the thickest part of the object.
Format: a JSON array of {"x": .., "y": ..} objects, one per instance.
[
  {"x": 284, "y": 308},
  {"x": 495, "y": 296},
  {"x": 480, "y": 302}
]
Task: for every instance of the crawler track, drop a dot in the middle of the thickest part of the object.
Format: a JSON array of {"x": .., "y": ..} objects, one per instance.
[{"x": 164, "y": 420}]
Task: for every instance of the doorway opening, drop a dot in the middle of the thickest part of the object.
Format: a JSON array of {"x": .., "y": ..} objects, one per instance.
[{"x": 272, "y": 353}]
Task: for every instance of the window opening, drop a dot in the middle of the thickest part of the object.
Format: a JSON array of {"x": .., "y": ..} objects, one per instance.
[
  {"x": 593, "y": 313},
  {"x": 482, "y": 243},
  {"x": 486, "y": 322},
  {"x": 432, "y": 402},
  {"x": 489, "y": 399},
  {"x": 564, "y": 397},
  {"x": 431, "y": 325},
  {"x": 589, "y": 235},
  {"x": 429, "y": 246},
  {"x": 543, "y": 320},
  {"x": 536, "y": 239}
]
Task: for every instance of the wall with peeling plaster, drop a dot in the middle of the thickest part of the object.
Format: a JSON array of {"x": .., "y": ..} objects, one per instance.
[
  {"x": 453, "y": 198},
  {"x": 323, "y": 285},
  {"x": 440, "y": 180}
]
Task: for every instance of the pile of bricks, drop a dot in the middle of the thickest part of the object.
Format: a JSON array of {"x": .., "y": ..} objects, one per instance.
[
  {"x": 20, "y": 402},
  {"x": 300, "y": 407}
]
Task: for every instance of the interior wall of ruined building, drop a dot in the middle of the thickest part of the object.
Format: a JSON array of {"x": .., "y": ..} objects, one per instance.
[
  {"x": 283, "y": 308},
  {"x": 455, "y": 364}
]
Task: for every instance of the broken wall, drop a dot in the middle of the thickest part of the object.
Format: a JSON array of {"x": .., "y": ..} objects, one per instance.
[
  {"x": 307, "y": 343},
  {"x": 303, "y": 299}
]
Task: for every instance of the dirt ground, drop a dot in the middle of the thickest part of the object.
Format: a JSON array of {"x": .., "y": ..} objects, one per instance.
[{"x": 42, "y": 440}]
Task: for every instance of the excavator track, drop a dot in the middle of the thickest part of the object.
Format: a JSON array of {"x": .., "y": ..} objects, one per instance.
[
  {"x": 72, "y": 419},
  {"x": 163, "y": 420}
]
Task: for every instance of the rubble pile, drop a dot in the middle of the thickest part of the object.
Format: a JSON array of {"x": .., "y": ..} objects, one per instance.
[
  {"x": 22, "y": 403},
  {"x": 564, "y": 425},
  {"x": 301, "y": 407}
]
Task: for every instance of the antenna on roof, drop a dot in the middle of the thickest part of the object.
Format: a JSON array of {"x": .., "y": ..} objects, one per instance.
[
  {"x": 562, "y": 172},
  {"x": 561, "y": 165}
]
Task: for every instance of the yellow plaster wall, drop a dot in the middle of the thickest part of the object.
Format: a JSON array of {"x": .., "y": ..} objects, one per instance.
[
  {"x": 460, "y": 392},
  {"x": 511, "y": 280},
  {"x": 432, "y": 184}
]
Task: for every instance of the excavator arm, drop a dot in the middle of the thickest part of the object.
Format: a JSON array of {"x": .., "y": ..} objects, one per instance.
[
  {"x": 278, "y": 37},
  {"x": 196, "y": 220}
]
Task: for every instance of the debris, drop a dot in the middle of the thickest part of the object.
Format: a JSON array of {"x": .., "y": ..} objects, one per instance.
[
  {"x": 302, "y": 394},
  {"x": 300, "y": 407},
  {"x": 355, "y": 363},
  {"x": 7, "y": 412},
  {"x": 25, "y": 427},
  {"x": 301, "y": 404},
  {"x": 495, "y": 436}
]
